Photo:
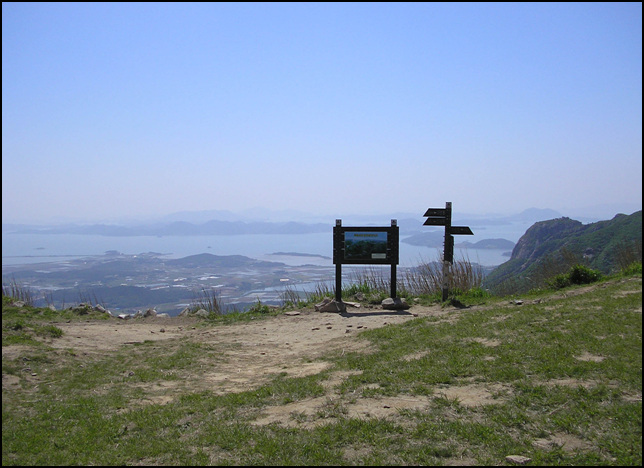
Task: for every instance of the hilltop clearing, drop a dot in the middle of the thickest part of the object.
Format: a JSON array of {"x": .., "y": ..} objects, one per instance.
[
  {"x": 253, "y": 351},
  {"x": 553, "y": 377}
]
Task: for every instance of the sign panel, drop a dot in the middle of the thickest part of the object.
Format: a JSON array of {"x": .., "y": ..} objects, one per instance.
[
  {"x": 460, "y": 230},
  {"x": 360, "y": 245},
  {"x": 436, "y": 212},
  {"x": 365, "y": 245},
  {"x": 435, "y": 222}
]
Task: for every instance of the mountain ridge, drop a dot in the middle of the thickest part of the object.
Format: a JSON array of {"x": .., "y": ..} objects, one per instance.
[
  {"x": 597, "y": 244},
  {"x": 206, "y": 223}
]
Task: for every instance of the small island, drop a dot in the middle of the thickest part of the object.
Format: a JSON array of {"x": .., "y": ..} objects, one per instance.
[
  {"x": 485, "y": 244},
  {"x": 298, "y": 254},
  {"x": 436, "y": 239}
]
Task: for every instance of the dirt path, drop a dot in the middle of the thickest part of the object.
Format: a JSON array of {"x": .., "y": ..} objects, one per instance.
[
  {"x": 252, "y": 352},
  {"x": 245, "y": 355}
]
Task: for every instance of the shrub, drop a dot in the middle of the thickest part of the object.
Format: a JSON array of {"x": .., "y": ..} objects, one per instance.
[
  {"x": 427, "y": 277},
  {"x": 259, "y": 308},
  {"x": 208, "y": 300},
  {"x": 629, "y": 253},
  {"x": 559, "y": 281},
  {"x": 16, "y": 291},
  {"x": 632, "y": 269},
  {"x": 578, "y": 274}
]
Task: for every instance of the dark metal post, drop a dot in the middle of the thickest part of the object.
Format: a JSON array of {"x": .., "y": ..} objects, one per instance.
[
  {"x": 394, "y": 261},
  {"x": 446, "y": 255},
  {"x": 338, "y": 282},
  {"x": 337, "y": 258}
]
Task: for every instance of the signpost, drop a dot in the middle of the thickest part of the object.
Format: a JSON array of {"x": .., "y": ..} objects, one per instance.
[
  {"x": 363, "y": 246},
  {"x": 443, "y": 217}
]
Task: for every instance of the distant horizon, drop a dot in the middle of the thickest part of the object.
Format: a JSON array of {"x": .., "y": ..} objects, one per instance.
[{"x": 258, "y": 214}]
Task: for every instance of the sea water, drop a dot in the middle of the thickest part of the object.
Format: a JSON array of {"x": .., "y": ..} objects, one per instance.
[{"x": 20, "y": 249}]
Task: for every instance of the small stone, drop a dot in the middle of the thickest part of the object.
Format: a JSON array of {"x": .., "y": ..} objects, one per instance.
[
  {"x": 395, "y": 304},
  {"x": 330, "y": 305},
  {"x": 518, "y": 459}
]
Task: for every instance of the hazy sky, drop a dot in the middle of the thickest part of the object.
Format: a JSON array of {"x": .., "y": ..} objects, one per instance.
[{"x": 121, "y": 110}]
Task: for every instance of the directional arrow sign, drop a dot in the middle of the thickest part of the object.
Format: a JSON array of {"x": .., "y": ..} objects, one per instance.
[
  {"x": 436, "y": 212},
  {"x": 435, "y": 222},
  {"x": 460, "y": 230}
]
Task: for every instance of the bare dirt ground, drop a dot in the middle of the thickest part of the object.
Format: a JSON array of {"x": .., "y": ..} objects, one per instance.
[
  {"x": 253, "y": 352},
  {"x": 250, "y": 354}
]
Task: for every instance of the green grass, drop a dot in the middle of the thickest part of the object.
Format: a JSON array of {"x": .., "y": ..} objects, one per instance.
[
  {"x": 564, "y": 365},
  {"x": 24, "y": 324}
]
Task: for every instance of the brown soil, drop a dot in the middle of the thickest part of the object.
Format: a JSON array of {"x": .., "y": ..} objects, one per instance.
[{"x": 252, "y": 353}]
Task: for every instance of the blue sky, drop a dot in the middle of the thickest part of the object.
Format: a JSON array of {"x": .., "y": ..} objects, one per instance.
[{"x": 113, "y": 111}]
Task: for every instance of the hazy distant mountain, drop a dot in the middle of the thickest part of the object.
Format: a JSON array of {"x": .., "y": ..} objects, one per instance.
[
  {"x": 426, "y": 239},
  {"x": 180, "y": 228},
  {"x": 491, "y": 244},
  {"x": 197, "y": 217},
  {"x": 264, "y": 221},
  {"x": 533, "y": 215},
  {"x": 405, "y": 220},
  {"x": 220, "y": 261},
  {"x": 436, "y": 239},
  {"x": 529, "y": 216}
]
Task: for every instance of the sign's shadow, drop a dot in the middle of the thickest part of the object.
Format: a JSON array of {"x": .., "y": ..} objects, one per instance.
[{"x": 375, "y": 313}]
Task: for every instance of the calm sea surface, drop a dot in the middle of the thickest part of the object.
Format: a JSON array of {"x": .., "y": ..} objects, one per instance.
[{"x": 35, "y": 248}]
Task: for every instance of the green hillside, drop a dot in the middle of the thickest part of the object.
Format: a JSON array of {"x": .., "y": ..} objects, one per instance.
[{"x": 551, "y": 247}]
